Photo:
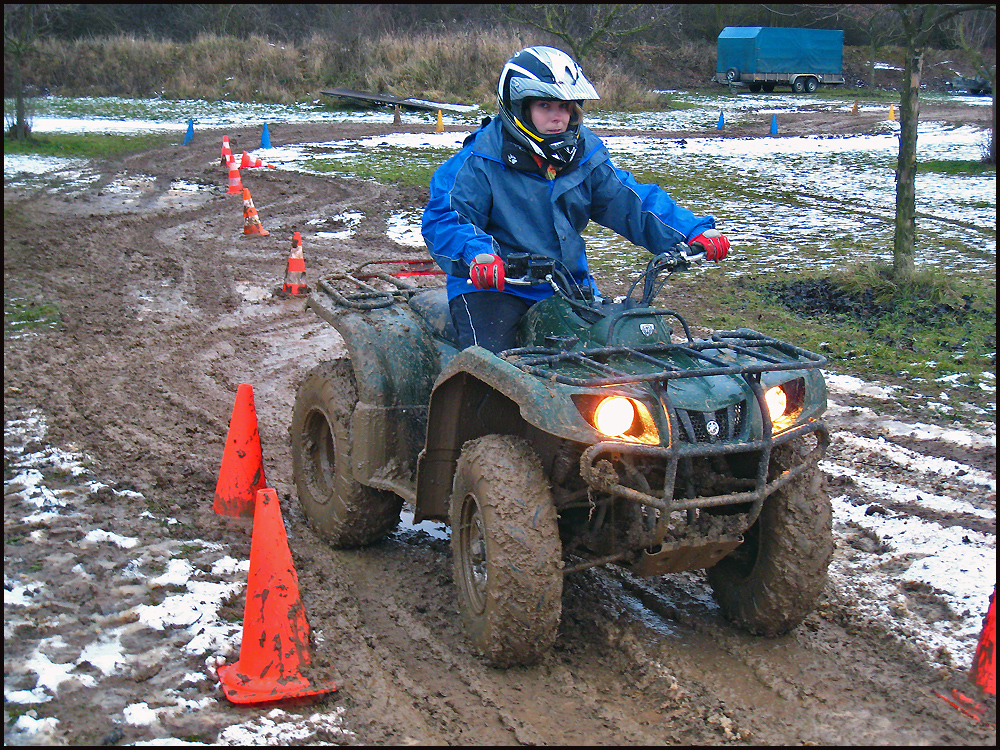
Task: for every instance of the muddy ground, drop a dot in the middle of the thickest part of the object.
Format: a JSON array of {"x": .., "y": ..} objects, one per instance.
[{"x": 166, "y": 308}]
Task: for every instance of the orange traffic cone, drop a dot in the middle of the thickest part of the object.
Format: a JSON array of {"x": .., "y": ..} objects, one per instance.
[
  {"x": 227, "y": 153},
  {"x": 235, "y": 183},
  {"x": 295, "y": 273},
  {"x": 984, "y": 665},
  {"x": 242, "y": 472},
  {"x": 251, "y": 221},
  {"x": 892, "y": 113},
  {"x": 275, "y": 630},
  {"x": 854, "y": 109}
]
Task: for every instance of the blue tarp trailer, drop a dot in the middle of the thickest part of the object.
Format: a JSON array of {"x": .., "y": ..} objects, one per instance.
[{"x": 762, "y": 57}]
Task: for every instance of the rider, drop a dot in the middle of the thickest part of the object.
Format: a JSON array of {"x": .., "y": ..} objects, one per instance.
[{"x": 530, "y": 181}]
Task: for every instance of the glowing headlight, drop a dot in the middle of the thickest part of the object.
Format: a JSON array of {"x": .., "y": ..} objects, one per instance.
[
  {"x": 614, "y": 415},
  {"x": 784, "y": 403},
  {"x": 776, "y": 401}
]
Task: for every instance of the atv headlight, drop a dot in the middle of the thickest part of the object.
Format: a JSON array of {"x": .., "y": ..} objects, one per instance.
[
  {"x": 618, "y": 417},
  {"x": 784, "y": 403},
  {"x": 614, "y": 416}
]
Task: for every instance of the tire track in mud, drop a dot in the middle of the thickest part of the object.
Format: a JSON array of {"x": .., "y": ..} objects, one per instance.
[{"x": 415, "y": 639}]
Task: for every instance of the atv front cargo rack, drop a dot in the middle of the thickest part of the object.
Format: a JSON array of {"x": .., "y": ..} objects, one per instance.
[{"x": 739, "y": 352}]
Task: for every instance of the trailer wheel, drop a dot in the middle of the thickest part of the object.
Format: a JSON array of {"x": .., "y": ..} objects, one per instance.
[
  {"x": 341, "y": 510},
  {"x": 506, "y": 551},
  {"x": 811, "y": 85},
  {"x": 733, "y": 75},
  {"x": 771, "y": 582},
  {"x": 754, "y": 87},
  {"x": 798, "y": 85},
  {"x": 768, "y": 88}
]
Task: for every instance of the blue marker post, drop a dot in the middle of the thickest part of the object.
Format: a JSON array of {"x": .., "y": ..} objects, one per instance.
[
  {"x": 774, "y": 124},
  {"x": 721, "y": 121},
  {"x": 265, "y": 138},
  {"x": 189, "y": 136}
]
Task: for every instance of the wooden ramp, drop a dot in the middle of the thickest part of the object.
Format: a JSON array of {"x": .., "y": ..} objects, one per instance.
[{"x": 388, "y": 100}]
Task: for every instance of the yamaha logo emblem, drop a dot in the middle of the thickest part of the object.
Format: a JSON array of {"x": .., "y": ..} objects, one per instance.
[
  {"x": 647, "y": 329},
  {"x": 712, "y": 427}
]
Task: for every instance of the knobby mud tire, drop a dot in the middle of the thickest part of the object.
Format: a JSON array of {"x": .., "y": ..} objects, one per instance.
[
  {"x": 506, "y": 552},
  {"x": 341, "y": 510},
  {"x": 770, "y": 583}
]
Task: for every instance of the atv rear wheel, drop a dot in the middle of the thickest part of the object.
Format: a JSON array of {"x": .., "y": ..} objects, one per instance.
[
  {"x": 770, "y": 583},
  {"x": 340, "y": 509},
  {"x": 506, "y": 553}
]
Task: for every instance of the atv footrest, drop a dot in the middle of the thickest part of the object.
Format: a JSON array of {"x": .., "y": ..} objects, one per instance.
[{"x": 695, "y": 554}]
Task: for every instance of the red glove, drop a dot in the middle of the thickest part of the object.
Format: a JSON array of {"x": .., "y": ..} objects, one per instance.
[
  {"x": 714, "y": 243},
  {"x": 487, "y": 271}
]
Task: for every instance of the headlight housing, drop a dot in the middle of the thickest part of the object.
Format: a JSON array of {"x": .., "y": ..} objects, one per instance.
[
  {"x": 784, "y": 403},
  {"x": 619, "y": 417}
]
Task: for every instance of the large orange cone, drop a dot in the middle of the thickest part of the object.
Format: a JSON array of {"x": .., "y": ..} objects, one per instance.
[
  {"x": 295, "y": 273},
  {"x": 984, "y": 664},
  {"x": 227, "y": 152},
  {"x": 242, "y": 471},
  {"x": 251, "y": 221},
  {"x": 235, "y": 183},
  {"x": 275, "y": 630}
]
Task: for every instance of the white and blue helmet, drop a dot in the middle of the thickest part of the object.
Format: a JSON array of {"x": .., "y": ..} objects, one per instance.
[{"x": 542, "y": 73}]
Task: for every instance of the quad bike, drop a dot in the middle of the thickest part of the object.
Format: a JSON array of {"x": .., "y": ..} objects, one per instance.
[{"x": 603, "y": 439}]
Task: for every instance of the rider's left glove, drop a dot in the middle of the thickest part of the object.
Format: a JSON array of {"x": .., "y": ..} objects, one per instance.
[
  {"x": 713, "y": 242},
  {"x": 487, "y": 271}
]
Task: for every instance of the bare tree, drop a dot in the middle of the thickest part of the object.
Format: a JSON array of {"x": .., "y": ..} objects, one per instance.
[
  {"x": 23, "y": 24},
  {"x": 920, "y": 22},
  {"x": 879, "y": 26},
  {"x": 974, "y": 31},
  {"x": 584, "y": 27}
]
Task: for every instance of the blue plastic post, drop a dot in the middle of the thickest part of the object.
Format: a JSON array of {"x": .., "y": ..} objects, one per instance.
[
  {"x": 721, "y": 121},
  {"x": 774, "y": 124},
  {"x": 189, "y": 136},
  {"x": 265, "y": 138}
]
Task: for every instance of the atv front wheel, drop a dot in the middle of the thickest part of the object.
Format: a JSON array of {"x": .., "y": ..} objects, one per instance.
[
  {"x": 506, "y": 553},
  {"x": 340, "y": 509},
  {"x": 770, "y": 583}
]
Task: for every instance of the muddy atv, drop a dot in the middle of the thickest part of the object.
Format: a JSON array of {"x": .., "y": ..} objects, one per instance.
[{"x": 605, "y": 438}]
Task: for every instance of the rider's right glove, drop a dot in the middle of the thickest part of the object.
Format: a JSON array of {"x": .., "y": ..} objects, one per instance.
[
  {"x": 714, "y": 243},
  {"x": 487, "y": 271}
]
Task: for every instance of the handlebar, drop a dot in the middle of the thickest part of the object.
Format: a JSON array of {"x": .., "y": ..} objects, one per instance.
[{"x": 524, "y": 269}]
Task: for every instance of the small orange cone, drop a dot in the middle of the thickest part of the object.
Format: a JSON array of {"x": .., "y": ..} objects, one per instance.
[
  {"x": 892, "y": 113},
  {"x": 295, "y": 273},
  {"x": 227, "y": 153},
  {"x": 235, "y": 183},
  {"x": 275, "y": 630},
  {"x": 251, "y": 221},
  {"x": 984, "y": 664},
  {"x": 242, "y": 472},
  {"x": 854, "y": 109}
]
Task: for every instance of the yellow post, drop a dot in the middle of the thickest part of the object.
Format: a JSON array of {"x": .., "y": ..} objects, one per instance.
[
  {"x": 854, "y": 109},
  {"x": 440, "y": 127},
  {"x": 892, "y": 113}
]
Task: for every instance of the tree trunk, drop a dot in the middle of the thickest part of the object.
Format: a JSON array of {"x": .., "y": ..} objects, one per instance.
[
  {"x": 20, "y": 122},
  {"x": 905, "y": 239}
]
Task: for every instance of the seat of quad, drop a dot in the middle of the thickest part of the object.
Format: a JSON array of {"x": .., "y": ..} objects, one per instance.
[{"x": 432, "y": 306}]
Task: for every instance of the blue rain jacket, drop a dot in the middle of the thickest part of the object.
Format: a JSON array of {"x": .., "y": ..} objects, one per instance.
[{"x": 480, "y": 205}]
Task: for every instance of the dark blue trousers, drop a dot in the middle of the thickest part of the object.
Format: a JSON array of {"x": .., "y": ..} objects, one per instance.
[{"x": 488, "y": 319}]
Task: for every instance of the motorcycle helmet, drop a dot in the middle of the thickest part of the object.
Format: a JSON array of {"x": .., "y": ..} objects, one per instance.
[{"x": 542, "y": 73}]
